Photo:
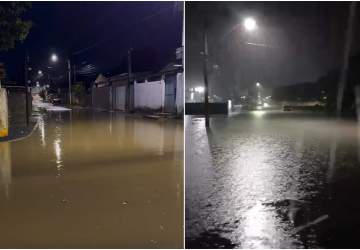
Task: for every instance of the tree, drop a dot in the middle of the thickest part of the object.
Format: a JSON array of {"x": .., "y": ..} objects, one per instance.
[
  {"x": 79, "y": 92},
  {"x": 12, "y": 27}
]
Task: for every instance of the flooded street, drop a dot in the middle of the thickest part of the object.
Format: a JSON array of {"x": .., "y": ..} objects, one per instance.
[
  {"x": 272, "y": 180},
  {"x": 93, "y": 180}
]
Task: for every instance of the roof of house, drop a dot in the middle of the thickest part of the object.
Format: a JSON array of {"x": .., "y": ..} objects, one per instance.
[
  {"x": 171, "y": 68},
  {"x": 100, "y": 78}
]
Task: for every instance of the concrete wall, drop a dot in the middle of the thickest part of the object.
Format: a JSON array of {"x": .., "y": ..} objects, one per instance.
[
  {"x": 4, "y": 126},
  {"x": 101, "y": 98},
  {"x": 119, "y": 97},
  {"x": 149, "y": 95},
  {"x": 17, "y": 107},
  {"x": 179, "y": 93}
]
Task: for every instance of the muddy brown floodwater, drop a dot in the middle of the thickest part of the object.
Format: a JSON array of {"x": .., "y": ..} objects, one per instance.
[{"x": 93, "y": 180}]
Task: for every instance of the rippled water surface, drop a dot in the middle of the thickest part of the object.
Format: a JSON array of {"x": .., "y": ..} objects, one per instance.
[
  {"x": 272, "y": 180},
  {"x": 93, "y": 180}
]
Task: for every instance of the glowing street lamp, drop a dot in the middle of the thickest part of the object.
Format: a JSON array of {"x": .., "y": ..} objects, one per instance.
[
  {"x": 250, "y": 24},
  {"x": 40, "y": 72},
  {"x": 199, "y": 89},
  {"x": 54, "y": 58},
  {"x": 258, "y": 84}
]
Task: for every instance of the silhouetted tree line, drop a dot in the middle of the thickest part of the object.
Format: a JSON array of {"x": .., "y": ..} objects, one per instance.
[{"x": 325, "y": 86}]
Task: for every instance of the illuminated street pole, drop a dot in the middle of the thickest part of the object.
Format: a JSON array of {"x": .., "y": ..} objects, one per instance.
[
  {"x": 128, "y": 96},
  {"x": 69, "y": 74},
  {"x": 206, "y": 85},
  {"x": 54, "y": 58},
  {"x": 258, "y": 97},
  {"x": 345, "y": 65},
  {"x": 27, "y": 88}
]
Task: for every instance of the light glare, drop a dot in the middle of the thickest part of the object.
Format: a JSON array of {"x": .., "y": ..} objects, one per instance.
[
  {"x": 54, "y": 58},
  {"x": 250, "y": 24},
  {"x": 199, "y": 89}
]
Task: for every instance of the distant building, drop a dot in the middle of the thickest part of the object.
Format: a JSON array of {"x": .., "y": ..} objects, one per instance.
[{"x": 162, "y": 91}]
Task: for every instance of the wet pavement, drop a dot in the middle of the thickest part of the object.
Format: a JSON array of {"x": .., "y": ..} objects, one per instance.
[
  {"x": 93, "y": 180},
  {"x": 272, "y": 180}
]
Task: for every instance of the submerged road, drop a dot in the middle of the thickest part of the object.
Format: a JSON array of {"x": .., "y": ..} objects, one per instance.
[
  {"x": 93, "y": 180},
  {"x": 272, "y": 180}
]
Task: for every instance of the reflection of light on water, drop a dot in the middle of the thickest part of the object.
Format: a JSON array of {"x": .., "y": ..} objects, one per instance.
[
  {"x": 150, "y": 136},
  {"x": 58, "y": 155},
  {"x": 110, "y": 123},
  {"x": 258, "y": 113},
  {"x": 257, "y": 222},
  {"x": 254, "y": 221},
  {"x": 256, "y": 181},
  {"x": 5, "y": 167},
  {"x": 57, "y": 150},
  {"x": 42, "y": 130}
]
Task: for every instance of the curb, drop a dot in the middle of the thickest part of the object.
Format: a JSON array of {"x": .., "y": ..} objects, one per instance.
[{"x": 23, "y": 137}]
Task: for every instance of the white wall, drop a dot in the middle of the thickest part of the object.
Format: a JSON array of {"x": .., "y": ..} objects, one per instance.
[
  {"x": 179, "y": 92},
  {"x": 149, "y": 95},
  {"x": 3, "y": 113}
]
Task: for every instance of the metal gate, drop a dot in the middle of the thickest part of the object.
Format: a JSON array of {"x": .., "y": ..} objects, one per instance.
[
  {"x": 101, "y": 98},
  {"x": 170, "y": 94},
  {"x": 120, "y": 98}
]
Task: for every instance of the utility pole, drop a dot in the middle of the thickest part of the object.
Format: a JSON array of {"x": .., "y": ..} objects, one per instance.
[
  {"x": 128, "y": 97},
  {"x": 345, "y": 66},
  {"x": 205, "y": 71},
  {"x": 26, "y": 87},
  {"x": 69, "y": 73},
  {"x": 74, "y": 72}
]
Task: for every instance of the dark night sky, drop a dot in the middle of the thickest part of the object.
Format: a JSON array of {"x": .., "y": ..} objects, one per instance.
[
  {"x": 152, "y": 29},
  {"x": 306, "y": 39}
]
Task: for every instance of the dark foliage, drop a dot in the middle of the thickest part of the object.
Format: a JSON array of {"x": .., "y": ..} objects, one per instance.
[{"x": 12, "y": 27}]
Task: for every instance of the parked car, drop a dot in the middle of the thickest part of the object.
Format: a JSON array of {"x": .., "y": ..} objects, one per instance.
[{"x": 54, "y": 99}]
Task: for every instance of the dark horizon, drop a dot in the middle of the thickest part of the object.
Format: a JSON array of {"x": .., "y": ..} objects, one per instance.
[{"x": 98, "y": 34}]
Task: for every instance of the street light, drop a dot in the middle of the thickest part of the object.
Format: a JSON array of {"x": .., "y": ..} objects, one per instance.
[
  {"x": 258, "y": 85},
  {"x": 199, "y": 89},
  {"x": 250, "y": 24},
  {"x": 54, "y": 58},
  {"x": 40, "y": 72}
]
